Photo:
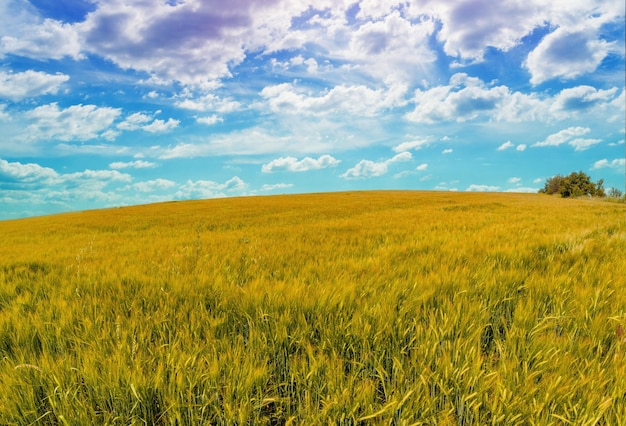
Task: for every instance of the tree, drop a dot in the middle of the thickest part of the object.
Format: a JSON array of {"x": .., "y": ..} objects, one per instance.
[
  {"x": 577, "y": 184},
  {"x": 553, "y": 185},
  {"x": 614, "y": 193}
]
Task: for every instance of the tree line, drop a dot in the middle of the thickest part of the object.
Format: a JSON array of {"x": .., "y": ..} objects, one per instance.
[{"x": 578, "y": 184}]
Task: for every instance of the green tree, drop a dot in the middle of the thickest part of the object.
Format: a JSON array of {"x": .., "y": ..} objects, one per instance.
[
  {"x": 577, "y": 184},
  {"x": 614, "y": 193},
  {"x": 552, "y": 185}
]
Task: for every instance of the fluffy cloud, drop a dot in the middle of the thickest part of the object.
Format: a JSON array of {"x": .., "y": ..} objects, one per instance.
[
  {"x": 245, "y": 142},
  {"x": 506, "y": 145},
  {"x": 29, "y": 83},
  {"x": 134, "y": 121},
  {"x": 393, "y": 48},
  {"x": 32, "y": 175},
  {"x": 355, "y": 100},
  {"x": 292, "y": 164},
  {"x": 98, "y": 175},
  {"x": 571, "y": 137},
  {"x": 411, "y": 145},
  {"x": 613, "y": 164},
  {"x": 146, "y": 122},
  {"x": 49, "y": 39},
  {"x": 581, "y": 144},
  {"x": 211, "y": 189},
  {"x": 566, "y": 53},
  {"x": 43, "y": 189},
  {"x": 466, "y": 98},
  {"x": 159, "y": 126},
  {"x": 77, "y": 122},
  {"x": 200, "y": 41},
  {"x": 273, "y": 187},
  {"x": 367, "y": 168},
  {"x": 523, "y": 189},
  {"x": 422, "y": 167},
  {"x": 194, "y": 41},
  {"x": 26, "y": 173},
  {"x": 3, "y": 114},
  {"x": 210, "y": 120},
  {"x": 491, "y": 24},
  {"x": 151, "y": 185},
  {"x": 206, "y": 102},
  {"x": 482, "y": 188},
  {"x": 138, "y": 164},
  {"x": 581, "y": 98}
]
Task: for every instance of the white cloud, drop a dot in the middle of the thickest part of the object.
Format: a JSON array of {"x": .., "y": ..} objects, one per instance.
[
  {"x": 207, "y": 102},
  {"x": 33, "y": 174},
  {"x": 581, "y": 98},
  {"x": 37, "y": 186},
  {"x": 523, "y": 189},
  {"x": 210, "y": 120},
  {"x": 139, "y": 120},
  {"x": 27, "y": 173},
  {"x": 151, "y": 185},
  {"x": 508, "y": 144},
  {"x": 298, "y": 137},
  {"x": 422, "y": 167},
  {"x": 411, "y": 145},
  {"x": 447, "y": 151},
  {"x": 77, "y": 122},
  {"x": 466, "y": 98},
  {"x": 194, "y": 41},
  {"x": 581, "y": 144},
  {"x": 4, "y": 115},
  {"x": 505, "y": 145},
  {"x": 139, "y": 164},
  {"x": 468, "y": 28},
  {"x": 613, "y": 164},
  {"x": 514, "y": 180},
  {"x": 292, "y": 164},
  {"x": 273, "y": 187},
  {"x": 563, "y": 136},
  {"x": 49, "y": 39},
  {"x": 367, "y": 168},
  {"x": 98, "y": 175},
  {"x": 244, "y": 142},
  {"x": 158, "y": 126},
  {"x": 211, "y": 189},
  {"x": 392, "y": 48},
  {"x": 482, "y": 188},
  {"x": 134, "y": 121},
  {"x": 569, "y": 136},
  {"x": 566, "y": 53},
  {"x": 286, "y": 98},
  {"x": 30, "y": 83}
]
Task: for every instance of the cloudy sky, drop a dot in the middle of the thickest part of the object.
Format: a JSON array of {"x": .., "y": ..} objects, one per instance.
[{"x": 116, "y": 102}]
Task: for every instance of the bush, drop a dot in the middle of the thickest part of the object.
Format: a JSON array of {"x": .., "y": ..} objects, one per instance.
[
  {"x": 614, "y": 193},
  {"x": 577, "y": 184}
]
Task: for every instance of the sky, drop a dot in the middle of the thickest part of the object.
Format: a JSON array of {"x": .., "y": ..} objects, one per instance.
[{"x": 108, "y": 103}]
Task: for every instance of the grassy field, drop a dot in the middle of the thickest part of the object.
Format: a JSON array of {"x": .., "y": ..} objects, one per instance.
[{"x": 348, "y": 308}]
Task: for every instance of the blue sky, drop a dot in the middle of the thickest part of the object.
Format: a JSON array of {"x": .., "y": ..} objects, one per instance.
[{"x": 120, "y": 102}]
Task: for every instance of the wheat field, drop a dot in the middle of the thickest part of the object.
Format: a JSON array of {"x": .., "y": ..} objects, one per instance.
[{"x": 389, "y": 307}]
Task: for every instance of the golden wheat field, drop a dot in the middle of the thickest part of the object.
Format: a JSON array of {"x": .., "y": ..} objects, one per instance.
[{"x": 367, "y": 308}]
